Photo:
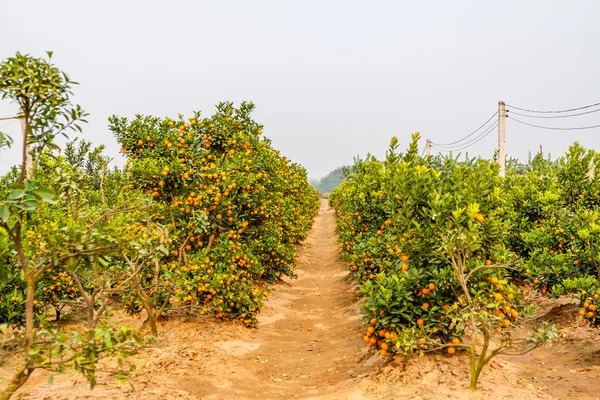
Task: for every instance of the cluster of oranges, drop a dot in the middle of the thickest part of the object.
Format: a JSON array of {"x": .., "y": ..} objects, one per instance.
[
  {"x": 379, "y": 339},
  {"x": 589, "y": 311}
]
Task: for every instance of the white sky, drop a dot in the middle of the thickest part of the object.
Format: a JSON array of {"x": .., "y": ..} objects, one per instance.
[{"x": 331, "y": 79}]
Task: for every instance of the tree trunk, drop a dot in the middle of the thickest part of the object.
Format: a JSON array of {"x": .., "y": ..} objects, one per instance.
[
  {"x": 152, "y": 323},
  {"x": 26, "y": 164},
  {"x": 15, "y": 384},
  {"x": 29, "y": 312}
]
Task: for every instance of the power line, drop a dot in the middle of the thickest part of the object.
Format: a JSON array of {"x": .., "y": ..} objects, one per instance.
[
  {"x": 7, "y": 123},
  {"x": 474, "y": 140},
  {"x": 555, "y": 128},
  {"x": 470, "y": 143},
  {"x": 554, "y": 111},
  {"x": 552, "y": 116},
  {"x": 469, "y": 135}
]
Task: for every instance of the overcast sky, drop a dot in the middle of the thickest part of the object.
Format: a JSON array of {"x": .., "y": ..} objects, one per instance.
[{"x": 330, "y": 79}]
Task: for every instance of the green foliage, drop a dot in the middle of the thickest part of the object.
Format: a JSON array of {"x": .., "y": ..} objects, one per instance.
[{"x": 428, "y": 241}]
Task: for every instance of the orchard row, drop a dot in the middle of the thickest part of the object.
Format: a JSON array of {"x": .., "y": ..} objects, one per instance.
[
  {"x": 203, "y": 216},
  {"x": 442, "y": 248}
]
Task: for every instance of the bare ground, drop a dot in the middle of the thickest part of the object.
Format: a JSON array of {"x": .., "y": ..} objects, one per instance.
[{"x": 309, "y": 346}]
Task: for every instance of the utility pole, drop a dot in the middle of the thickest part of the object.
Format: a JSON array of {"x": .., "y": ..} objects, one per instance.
[
  {"x": 427, "y": 147},
  {"x": 502, "y": 137}
]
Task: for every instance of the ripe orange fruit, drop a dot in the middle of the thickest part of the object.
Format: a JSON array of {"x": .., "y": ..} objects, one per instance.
[
  {"x": 420, "y": 322},
  {"x": 383, "y": 353},
  {"x": 384, "y": 346},
  {"x": 425, "y": 306},
  {"x": 479, "y": 218},
  {"x": 451, "y": 350},
  {"x": 488, "y": 262},
  {"x": 373, "y": 321},
  {"x": 455, "y": 340},
  {"x": 404, "y": 267},
  {"x": 494, "y": 280},
  {"x": 370, "y": 330},
  {"x": 404, "y": 259}
]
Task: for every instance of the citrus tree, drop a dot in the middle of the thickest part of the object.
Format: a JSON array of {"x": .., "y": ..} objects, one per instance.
[
  {"x": 41, "y": 241},
  {"x": 427, "y": 240},
  {"x": 233, "y": 206}
]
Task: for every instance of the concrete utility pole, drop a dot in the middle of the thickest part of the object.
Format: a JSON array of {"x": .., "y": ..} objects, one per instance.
[
  {"x": 502, "y": 137},
  {"x": 427, "y": 147}
]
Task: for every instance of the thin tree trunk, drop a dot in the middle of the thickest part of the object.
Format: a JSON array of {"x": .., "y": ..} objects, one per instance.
[
  {"x": 26, "y": 164},
  {"x": 29, "y": 323},
  {"x": 15, "y": 384}
]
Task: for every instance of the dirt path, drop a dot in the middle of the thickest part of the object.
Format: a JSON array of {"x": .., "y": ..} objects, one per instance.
[{"x": 309, "y": 341}]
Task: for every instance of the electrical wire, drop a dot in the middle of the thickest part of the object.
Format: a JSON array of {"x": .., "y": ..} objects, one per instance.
[
  {"x": 470, "y": 143},
  {"x": 6, "y": 124},
  {"x": 474, "y": 140},
  {"x": 555, "y": 128},
  {"x": 510, "y": 112},
  {"x": 554, "y": 111},
  {"x": 469, "y": 135}
]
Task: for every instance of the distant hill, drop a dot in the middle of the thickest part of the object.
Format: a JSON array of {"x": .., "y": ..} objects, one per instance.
[{"x": 329, "y": 182}]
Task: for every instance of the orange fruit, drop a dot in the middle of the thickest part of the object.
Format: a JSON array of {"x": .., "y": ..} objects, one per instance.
[
  {"x": 455, "y": 340},
  {"x": 494, "y": 280},
  {"x": 451, "y": 350},
  {"x": 420, "y": 322},
  {"x": 373, "y": 321}
]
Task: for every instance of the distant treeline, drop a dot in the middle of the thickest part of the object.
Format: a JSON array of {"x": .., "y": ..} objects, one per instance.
[{"x": 332, "y": 180}]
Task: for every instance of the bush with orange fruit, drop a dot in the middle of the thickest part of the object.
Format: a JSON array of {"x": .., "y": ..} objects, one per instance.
[
  {"x": 426, "y": 239},
  {"x": 235, "y": 208}
]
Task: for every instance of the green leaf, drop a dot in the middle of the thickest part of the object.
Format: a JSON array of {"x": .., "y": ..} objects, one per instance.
[
  {"x": 4, "y": 213},
  {"x": 50, "y": 379},
  {"x": 16, "y": 194},
  {"x": 27, "y": 206},
  {"x": 16, "y": 186},
  {"x": 46, "y": 195}
]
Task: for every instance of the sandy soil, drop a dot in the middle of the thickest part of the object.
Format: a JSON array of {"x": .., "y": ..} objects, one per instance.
[{"x": 309, "y": 346}]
